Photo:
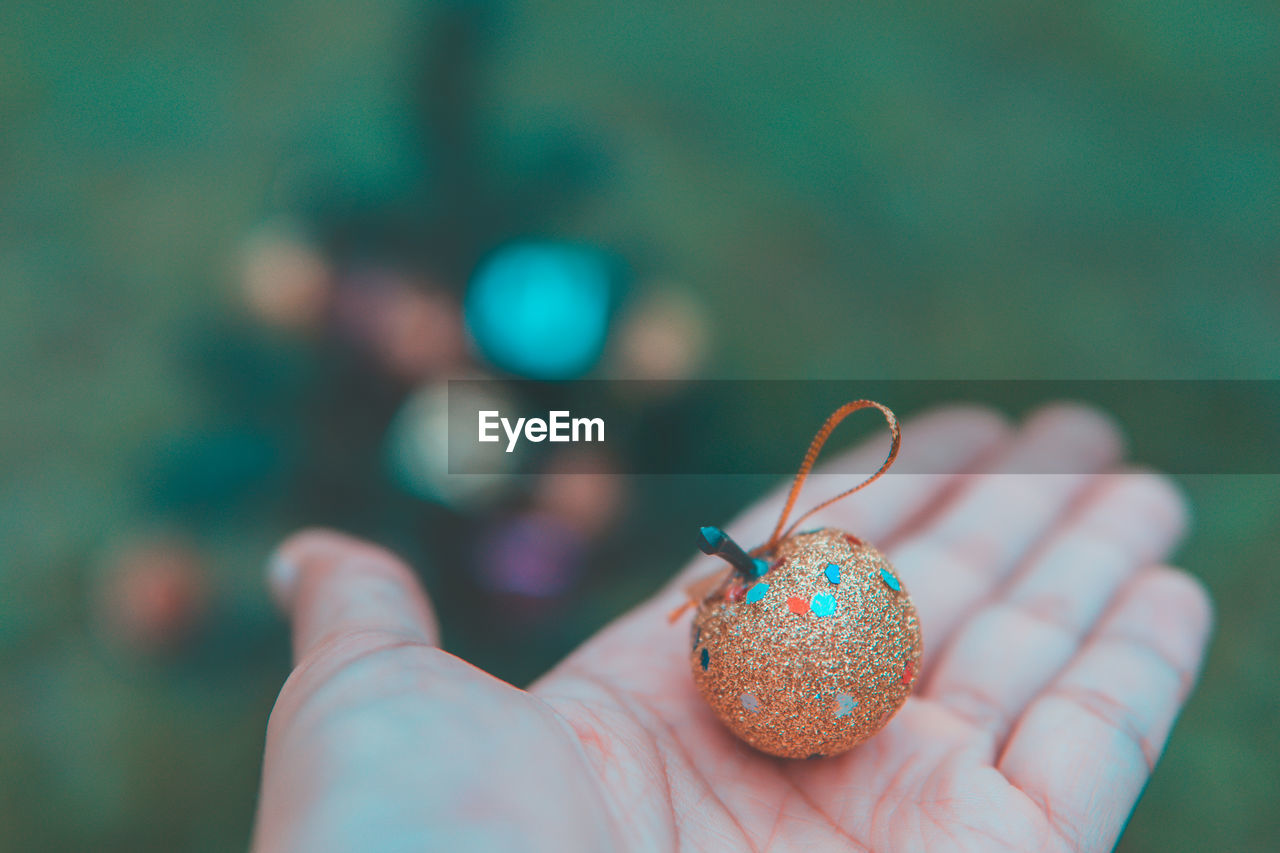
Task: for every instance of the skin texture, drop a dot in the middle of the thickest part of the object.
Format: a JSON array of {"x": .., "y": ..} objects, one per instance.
[{"x": 1058, "y": 651}]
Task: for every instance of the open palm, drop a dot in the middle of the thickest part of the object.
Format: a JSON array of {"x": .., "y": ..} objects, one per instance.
[{"x": 1057, "y": 655}]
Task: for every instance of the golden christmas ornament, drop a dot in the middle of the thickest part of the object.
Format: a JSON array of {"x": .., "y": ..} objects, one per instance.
[{"x": 807, "y": 645}]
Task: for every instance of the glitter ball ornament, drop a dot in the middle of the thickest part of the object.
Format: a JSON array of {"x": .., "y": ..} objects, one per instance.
[
  {"x": 802, "y": 666},
  {"x": 809, "y": 643}
]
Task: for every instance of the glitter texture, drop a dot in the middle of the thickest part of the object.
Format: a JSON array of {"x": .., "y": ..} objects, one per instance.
[{"x": 822, "y": 684}]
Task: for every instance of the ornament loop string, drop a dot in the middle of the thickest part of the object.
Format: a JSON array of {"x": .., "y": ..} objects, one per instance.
[
  {"x": 699, "y": 590},
  {"x": 781, "y": 531}
]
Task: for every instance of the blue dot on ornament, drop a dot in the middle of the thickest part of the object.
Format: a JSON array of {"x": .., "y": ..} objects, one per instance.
[
  {"x": 833, "y": 573},
  {"x": 890, "y": 581},
  {"x": 845, "y": 704},
  {"x": 706, "y": 659},
  {"x": 757, "y": 592},
  {"x": 823, "y": 604},
  {"x": 750, "y": 703}
]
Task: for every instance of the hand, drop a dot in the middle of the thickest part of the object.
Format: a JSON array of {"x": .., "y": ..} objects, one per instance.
[{"x": 1058, "y": 652}]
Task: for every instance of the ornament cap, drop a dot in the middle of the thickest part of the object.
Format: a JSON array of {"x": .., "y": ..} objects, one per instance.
[{"x": 714, "y": 541}]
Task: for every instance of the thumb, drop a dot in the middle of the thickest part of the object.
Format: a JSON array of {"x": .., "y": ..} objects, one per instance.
[{"x": 332, "y": 586}]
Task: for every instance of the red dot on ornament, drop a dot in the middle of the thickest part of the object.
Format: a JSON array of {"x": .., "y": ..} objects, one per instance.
[
  {"x": 736, "y": 592},
  {"x": 799, "y": 606},
  {"x": 853, "y": 540},
  {"x": 907, "y": 672}
]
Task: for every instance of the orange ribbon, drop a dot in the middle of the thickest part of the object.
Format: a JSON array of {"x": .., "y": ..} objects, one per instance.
[{"x": 701, "y": 589}]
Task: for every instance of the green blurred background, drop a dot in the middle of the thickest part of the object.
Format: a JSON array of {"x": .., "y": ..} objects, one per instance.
[{"x": 872, "y": 190}]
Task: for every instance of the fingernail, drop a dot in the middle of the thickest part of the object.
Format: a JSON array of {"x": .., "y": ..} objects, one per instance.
[{"x": 282, "y": 576}]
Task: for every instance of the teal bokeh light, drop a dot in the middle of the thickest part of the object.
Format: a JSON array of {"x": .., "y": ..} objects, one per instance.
[{"x": 541, "y": 310}]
